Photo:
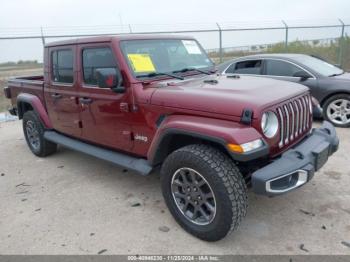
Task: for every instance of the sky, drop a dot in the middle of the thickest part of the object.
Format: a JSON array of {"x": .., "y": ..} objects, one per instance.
[{"x": 75, "y": 16}]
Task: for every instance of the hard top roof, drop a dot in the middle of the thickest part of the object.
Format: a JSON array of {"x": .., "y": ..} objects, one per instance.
[{"x": 109, "y": 38}]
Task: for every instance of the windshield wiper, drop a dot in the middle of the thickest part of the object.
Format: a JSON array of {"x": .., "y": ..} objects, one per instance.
[
  {"x": 160, "y": 74},
  {"x": 337, "y": 74},
  {"x": 192, "y": 69}
]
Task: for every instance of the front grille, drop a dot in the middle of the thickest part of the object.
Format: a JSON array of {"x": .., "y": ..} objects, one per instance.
[{"x": 294, "y": 118}]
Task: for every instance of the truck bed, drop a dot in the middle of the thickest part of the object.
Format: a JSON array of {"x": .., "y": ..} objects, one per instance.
[{"x": 26, "y": 84}]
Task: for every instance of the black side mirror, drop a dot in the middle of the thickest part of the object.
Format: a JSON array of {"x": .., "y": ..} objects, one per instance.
[
  {"x": 303, "y": 75},
  {"x": 110, "y": 78}
]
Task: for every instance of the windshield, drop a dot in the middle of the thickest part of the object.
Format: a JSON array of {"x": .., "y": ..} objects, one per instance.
[
  {"x": 146, "y": 58},
  {"x": 319, "y": 66}
]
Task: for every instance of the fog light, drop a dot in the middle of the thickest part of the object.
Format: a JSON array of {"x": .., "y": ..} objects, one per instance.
[
  {"x": 246, "y": 147},
  {"x": 287, "y": 182}
]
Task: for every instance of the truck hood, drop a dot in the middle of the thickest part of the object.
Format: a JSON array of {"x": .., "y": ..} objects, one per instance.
[{"x": 225, "y": 95}]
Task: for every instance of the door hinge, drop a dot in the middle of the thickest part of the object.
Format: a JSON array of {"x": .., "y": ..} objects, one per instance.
[{"x": 128, "y": 135}]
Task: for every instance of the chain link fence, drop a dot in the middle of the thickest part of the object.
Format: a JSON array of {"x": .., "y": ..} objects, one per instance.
[{"x": 325, "y": 38}]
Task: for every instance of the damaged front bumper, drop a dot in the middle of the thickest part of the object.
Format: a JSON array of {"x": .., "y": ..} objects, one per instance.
[{"x": 297, "y": 166}]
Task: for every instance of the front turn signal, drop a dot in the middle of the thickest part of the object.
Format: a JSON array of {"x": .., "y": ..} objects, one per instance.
[
  {"x": 246, "y": 147},
  {"x": 235, "y": 148}
]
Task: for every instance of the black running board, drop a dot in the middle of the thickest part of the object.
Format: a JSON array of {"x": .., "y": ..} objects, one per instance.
[{"x": 138, "y": 165}]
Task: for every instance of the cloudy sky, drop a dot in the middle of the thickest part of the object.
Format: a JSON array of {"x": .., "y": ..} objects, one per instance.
[{"x": 60, "y": 16}]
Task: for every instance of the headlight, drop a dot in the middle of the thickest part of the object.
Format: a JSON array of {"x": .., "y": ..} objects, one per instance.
[{"x": 269, "y": 124}]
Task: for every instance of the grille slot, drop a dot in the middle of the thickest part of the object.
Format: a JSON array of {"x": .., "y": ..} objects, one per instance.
[{"x": 294, "y": 119}]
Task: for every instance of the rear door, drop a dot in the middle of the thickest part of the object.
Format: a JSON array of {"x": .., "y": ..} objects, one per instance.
[
  {"x": 61, "y": 91},
  {"x": 105, "y": 114}
]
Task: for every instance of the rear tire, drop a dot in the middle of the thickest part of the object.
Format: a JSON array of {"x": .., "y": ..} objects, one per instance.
[
  {"x": 34, "y": 134},
  {"x": 336, "y": 110},
  {"x": 209, "y": 219}
]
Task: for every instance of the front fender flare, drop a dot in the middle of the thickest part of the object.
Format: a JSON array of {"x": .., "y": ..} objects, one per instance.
[
  {"x": 37, "y": 106},
  {"x": 215, "y": 130}
]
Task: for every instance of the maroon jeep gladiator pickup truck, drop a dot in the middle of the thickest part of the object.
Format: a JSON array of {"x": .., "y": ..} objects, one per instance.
[{"x": 147, "y": 101}]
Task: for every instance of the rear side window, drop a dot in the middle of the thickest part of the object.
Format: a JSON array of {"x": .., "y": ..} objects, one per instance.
[
  {"x": 95, "y": 58},
  {"x": 280, "y": 68},
  {"x": 62, "y": 66},
  {"x": 252, "y": 67}
]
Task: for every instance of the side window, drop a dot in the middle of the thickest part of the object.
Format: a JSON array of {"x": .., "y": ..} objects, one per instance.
[
  {"x": 252, "y": 67},
  {"x": 231, "y": 69},
  {"x": 62, "y": 66},
  {"x": 95, "y": 58},
  {"x": 280, "y": 68}
]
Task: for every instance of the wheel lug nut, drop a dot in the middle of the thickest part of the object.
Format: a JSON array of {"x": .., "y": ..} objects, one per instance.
[
  {"x": 188, "y": 197},
  {"x": 196, "y": 202},
  {"x": 188, "y": 189},
  {"x": 199, "y": 198},
  {"x": 195, "y": 189}
]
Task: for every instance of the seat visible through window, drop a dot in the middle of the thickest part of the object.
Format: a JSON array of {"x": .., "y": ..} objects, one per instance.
[{"x": 95, "y": 58}]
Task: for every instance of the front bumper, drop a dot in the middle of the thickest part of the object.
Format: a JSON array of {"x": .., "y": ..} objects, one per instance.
[{"x": 297, "y": 166}]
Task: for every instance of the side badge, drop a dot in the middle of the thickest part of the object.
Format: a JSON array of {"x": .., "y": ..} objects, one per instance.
[{"x": 141, "y": 138}]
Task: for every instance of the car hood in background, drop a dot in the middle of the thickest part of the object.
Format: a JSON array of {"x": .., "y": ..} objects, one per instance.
[{"x": 344, "y": 77}]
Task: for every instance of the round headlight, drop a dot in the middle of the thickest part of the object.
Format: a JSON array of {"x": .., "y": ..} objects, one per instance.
[{"x": 269, "y": 124}]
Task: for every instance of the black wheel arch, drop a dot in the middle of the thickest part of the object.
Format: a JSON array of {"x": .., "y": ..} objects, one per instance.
[
  {"x": 172, "y": 139},
  {"x": 22, "y": 107},
  {"x": 340, "y": 92}
]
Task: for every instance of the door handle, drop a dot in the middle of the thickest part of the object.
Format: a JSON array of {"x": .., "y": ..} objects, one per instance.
[
  {"x": 56, "y": 95},
  {"x": 85, "y": 100}
]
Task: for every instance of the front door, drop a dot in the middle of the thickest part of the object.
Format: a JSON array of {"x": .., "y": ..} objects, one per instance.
[
  {"x": 105, "y": 114},
  {"x": 283, "y": 70},
  {"x": 61, "y": 91}
]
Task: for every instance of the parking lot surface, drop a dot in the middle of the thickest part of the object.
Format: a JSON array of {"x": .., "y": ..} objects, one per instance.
[{"x": 70, "y": 203}]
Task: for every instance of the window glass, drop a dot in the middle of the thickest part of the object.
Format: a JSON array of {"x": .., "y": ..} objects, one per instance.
[
  {"x": 95, "y": 58},
  {"x": 318, "y": 65},
  {"x": 281, "y": 68},
  {"x": 164, "y": 55},
  {"x": 231, "y": 69},
  {"x": 62, "y": 66},
  {"x": 252, "y": 67}
]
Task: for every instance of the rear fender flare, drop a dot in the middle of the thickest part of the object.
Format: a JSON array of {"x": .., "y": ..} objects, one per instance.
[{"x": 37, "y": 106}]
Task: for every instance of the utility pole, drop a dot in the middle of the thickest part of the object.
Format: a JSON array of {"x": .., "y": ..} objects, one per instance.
[
  {"x": 42, "y": 36},
  {"x": 286, "y": 39},
  {"x": 121, "y": 22},
  {"x": 220, "y": 42},
  {"x": 341, "y": 43}
]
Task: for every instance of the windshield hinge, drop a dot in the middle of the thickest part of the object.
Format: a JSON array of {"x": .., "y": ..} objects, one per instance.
[{"x": 247, "y": 116}]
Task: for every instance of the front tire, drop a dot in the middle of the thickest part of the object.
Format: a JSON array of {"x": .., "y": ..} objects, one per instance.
[
  {"x": 34, "y": 134},
  {"x": 204, "y": 191},
  {"x": 336, "y": 110}
]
